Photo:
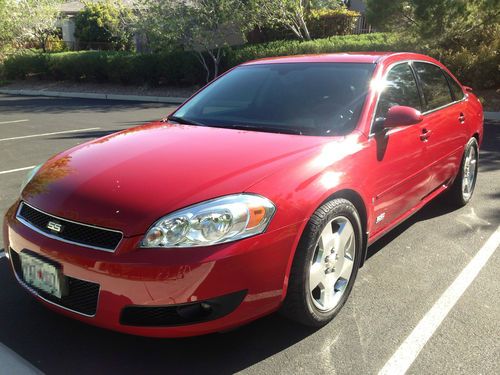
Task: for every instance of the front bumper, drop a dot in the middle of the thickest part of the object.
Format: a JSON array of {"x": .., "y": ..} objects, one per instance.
[{"x": 237, "y": 282}]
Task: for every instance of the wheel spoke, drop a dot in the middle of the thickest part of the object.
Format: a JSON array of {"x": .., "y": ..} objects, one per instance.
[
  {"x": 345, "y": 272},
  {"x": 466, "y": 185},
  {"x": 346, "y": 233},
  {"x": 316, "y": 276},
  {"x": 327, "y": 293},
  {"x": 327, "y": 240}
]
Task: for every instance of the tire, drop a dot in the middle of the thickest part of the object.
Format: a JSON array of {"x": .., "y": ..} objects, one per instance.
[
  {"x": 459, "y": 195},
  {"x": 307, "y": 301}
]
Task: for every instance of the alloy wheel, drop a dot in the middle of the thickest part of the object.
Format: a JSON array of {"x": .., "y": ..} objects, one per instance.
[
  {"x": 332, "y": 263},
  {"x": 469, "y": 173}
]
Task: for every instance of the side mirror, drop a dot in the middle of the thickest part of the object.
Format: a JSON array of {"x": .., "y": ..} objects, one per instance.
[
  {"x": 468, "y": 88},
  {"x": 399, "y": 115}
]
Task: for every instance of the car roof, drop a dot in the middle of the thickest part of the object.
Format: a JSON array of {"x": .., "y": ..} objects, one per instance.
[{"x": 347, "y": 57}]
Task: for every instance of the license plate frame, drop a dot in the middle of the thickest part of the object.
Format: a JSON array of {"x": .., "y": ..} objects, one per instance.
[{"x": 42, "y": 275}]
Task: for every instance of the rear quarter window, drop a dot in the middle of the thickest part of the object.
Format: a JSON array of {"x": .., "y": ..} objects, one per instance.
[
  {"x": 434, "y": 85},
  {"x": 456, "y": 89}
]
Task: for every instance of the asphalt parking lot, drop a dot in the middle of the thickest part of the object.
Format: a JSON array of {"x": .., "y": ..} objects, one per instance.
[{"x": 406, "y": 276}]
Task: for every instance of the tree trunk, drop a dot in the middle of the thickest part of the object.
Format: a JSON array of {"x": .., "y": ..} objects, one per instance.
[
  {"x": 303, "y": 26},
  {"x": 216, "y": 63},
  {"x": 43, "y": 43},
  {"x": 201, "y": 58}
]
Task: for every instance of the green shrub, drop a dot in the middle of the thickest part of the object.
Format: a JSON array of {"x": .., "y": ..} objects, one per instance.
[
  {"x": 365, "y": 42},
  {"x": 181, "y": 68},
  {"x": 55, "y": 44},
  {"x": 25, "y": 65},
  {"x": 91, "y": 66},
  {"x": 323, "y": 23},
  {"x": 104, "y": 25},
  {"x": 478, "y": 67},
  {"x": 174, "y": 68}
]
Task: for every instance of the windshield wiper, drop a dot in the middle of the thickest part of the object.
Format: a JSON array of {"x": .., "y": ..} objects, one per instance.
[
  {"x": 255, "y": 127},
  {"x": 183, "y": 121},
  {"x": 265, "y": 128}
]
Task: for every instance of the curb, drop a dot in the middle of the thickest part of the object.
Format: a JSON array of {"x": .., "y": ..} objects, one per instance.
[
  {"x": 12, "y": 363},
  {"x": 85, "y": 95}
]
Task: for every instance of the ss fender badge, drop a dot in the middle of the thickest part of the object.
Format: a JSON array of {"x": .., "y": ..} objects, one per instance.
[{"x": 380, "y": 218}]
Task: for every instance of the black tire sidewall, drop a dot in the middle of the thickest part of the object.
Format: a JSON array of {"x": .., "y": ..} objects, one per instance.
[{"x": 332, "y": 209}]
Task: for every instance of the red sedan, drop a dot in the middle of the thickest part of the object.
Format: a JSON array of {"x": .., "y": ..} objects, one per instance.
[{"x": 260, "y": 193}]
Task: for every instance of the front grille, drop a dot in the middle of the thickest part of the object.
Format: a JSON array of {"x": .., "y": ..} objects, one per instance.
[
  {"x": 187, "y": 313},
  {"x": 82, "y": 295},
  {"x": 77, "y": 233}
]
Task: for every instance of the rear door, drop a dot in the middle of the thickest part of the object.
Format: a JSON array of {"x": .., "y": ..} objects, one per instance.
[
  {"x": 401, "y": 178},
  {"x": 444, "y": 120}
]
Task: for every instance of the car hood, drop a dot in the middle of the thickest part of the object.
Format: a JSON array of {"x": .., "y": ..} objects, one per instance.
[{"x": 128, "y": 180}]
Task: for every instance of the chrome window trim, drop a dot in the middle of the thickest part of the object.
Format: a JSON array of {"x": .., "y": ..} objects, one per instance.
[
  {"x": 410, "y": 62},
  {"x": 33, "y": 291},
  {"x": 32, "y": 227}
]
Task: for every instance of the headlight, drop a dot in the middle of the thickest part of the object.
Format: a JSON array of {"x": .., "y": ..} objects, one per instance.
[
  {"x": 212, "y": 222},
  {"x": 29, "y": 176}
]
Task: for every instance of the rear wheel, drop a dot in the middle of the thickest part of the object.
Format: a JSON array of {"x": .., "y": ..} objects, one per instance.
[
  {"x": 325, "y": 264},
  {"x": 462, "y": 189}
]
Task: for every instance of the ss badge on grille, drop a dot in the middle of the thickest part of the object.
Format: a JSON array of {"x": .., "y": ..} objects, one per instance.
[{"x": 54, "y": 227}]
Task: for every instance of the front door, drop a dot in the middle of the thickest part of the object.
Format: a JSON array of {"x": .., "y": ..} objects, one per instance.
[{"x": 402, "y": 177}]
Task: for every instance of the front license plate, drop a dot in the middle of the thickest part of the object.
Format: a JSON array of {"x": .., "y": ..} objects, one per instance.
[{"x": 41, "y": 275}]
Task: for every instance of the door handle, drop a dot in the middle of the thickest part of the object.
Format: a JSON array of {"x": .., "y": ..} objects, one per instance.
[
  {"x": 425, "y": 135},
  {"x": 461, "y": 118}
]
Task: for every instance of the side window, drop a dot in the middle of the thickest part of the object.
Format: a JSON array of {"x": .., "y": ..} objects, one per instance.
[
  {"x": 434, "y": 85},
  {"x": 400, "y": 89},
  {"x": 456, "y": 89}
]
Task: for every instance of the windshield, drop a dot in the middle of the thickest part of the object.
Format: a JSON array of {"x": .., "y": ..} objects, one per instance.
[{"x": 296, "y": 98}]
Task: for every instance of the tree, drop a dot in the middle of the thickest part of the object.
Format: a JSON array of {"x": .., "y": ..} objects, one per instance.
[
  {"x": 6, "y": 27},
  {"x": 326, "y": 4},
  {"x": 290, "y": 14},
  {"x": 106, "y": 24},
  {"x": 204, "y": 27},
  {"x": 23, "y": 21},
  {"x": 447, "y": 23}
]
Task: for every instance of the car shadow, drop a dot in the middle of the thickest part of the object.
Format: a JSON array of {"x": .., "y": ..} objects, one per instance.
[{"x": 435, "y": 208}]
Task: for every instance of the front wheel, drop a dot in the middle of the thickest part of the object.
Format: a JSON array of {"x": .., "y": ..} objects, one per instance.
[
  {"x": 325, "y": 264},
  {"x": 462, "y": 189}
]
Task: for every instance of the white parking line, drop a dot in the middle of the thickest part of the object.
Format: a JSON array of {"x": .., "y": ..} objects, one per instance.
[
  {"x": 46, "y": 134},
  {"x": 18, "y": 169},
  {"x": 12, "y": 122},
  {"x": 402, "y": 359}
]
